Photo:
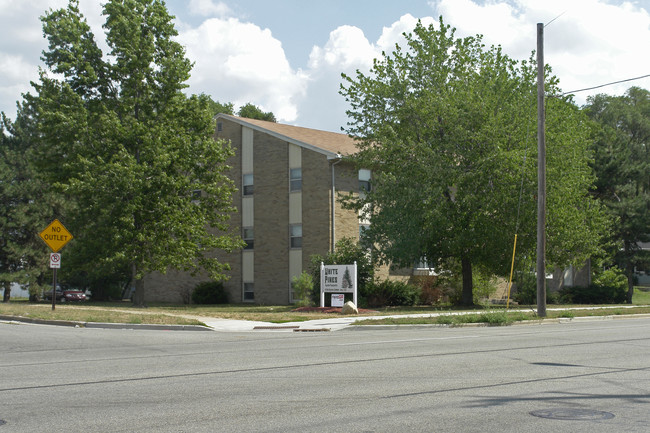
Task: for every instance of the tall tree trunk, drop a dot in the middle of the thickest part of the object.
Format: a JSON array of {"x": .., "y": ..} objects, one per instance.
[
  {"x": 629, "y": 273},
  {"x": 7, "y": 294},
  {"x": 468, "y": 286},
  {"x": 138, "y": 295}
]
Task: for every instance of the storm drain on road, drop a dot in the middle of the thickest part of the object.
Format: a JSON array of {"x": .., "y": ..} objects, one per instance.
[
  {"x": 274, "y": 328},
  {"x": 573, "y": 414}
]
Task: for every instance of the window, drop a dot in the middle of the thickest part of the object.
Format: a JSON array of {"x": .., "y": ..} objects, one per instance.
[
  {"x": 295, "y": 179},
  {"x": 296, "y": 235},
  {"x": 363, "y": 241},
  {"x": 249, "y": 238},
  {"x": 364, "y": 180},
  {"x": 219, "y": 126},
  {"x": 249, "y": 292},
  {"x": 248, "y": 184}
]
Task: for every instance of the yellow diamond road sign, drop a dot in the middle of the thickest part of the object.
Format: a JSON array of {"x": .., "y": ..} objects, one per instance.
[{"x": 55, "y": 236}]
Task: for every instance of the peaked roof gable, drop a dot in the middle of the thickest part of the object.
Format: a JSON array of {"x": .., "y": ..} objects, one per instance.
[{"x": 328, "y": 143}]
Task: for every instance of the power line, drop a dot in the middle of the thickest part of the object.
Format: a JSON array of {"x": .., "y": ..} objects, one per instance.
[
  {"x": 549, "y": 23},
  {"x": 602, "y": 85}
]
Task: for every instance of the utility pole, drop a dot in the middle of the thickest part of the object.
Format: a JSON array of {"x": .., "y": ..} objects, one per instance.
[{"x": 541, "y": 177}]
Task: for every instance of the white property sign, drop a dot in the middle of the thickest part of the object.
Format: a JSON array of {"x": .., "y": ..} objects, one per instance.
[{"x": 338, "y": 279}]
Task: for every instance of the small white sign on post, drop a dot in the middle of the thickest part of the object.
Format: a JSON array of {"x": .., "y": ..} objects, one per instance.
[
  {"x": 338, "y": 299},
  {"x": 55, "y": 260},
  {"x": 338, "y": 279}
]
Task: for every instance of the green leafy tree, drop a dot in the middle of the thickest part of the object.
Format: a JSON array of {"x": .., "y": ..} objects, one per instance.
[
  {"x": 120, "y": 139},
  {"x": 251, "y": 111},
  {"x": 448, "y": 129},
  {"x": 218, "y": 107},
  {"x": 622, "y": 165}
]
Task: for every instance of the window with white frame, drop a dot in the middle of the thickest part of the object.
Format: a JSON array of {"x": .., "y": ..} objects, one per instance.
[
  {"x": 364, "y": 180},
  {"x": 295, "y": 233},
  {"x": 247, "y": 183},
  {"x": 295, "y": 179},
  {"x": 249, "y": 238},
  {"x": 362, "y": 238}
]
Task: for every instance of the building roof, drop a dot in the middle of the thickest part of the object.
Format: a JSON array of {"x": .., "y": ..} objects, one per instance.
[{"x": 325, "y": 142}]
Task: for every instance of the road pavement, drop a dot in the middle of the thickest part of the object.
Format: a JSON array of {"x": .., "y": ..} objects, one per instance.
[{"x": 578, "y": 376}]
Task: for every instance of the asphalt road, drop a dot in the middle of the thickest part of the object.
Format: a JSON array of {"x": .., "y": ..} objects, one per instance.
[{"x": 576, "y": 377}]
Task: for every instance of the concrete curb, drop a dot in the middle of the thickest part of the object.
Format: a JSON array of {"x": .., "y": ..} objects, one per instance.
[{"x": 99, "y": 325}]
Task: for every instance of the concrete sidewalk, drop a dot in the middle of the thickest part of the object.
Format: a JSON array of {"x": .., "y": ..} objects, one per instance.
[{"x": 338, "y": 323}]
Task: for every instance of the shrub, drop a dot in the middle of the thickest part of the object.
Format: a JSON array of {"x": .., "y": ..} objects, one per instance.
[
  {"x": 302, "y": 285},
  {"x": 210, "y": 292},
  {"x": 485, "y": 284},
  {"x": 613, "y": 277},
  {"x": 526, "y": 293},
  {"x": 431, "y": 292},
  {"x": 391, "y": 293},
  {"x": 609, "y": 287},
  {"x": 593, "y": 294},
  {"x": 451, "y": 287}
]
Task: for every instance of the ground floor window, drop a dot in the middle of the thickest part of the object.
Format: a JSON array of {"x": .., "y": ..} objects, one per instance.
[{"x": 249, "y": 292}]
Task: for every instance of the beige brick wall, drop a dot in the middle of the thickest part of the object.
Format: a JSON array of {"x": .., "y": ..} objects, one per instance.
[
  {"x": 271, "y": 219},
  {"x": 347, "y": 221},
  {"x": 271, "y": 159},
  {"x": 316, "y": 190}
]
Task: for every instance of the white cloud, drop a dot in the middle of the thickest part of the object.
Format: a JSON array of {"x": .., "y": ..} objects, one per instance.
[
  {"x": 586, "y": 42},
  {"x": 591, "y": 42},
  {"x": 15, "y": 68},
  {"x": 346, "y": 51},
  {"x": 22, "y": 44},
  {"x": 395, "y": 33},
  {"x": 347, "y": 47},
  {"x": 240, "y": 62},
  {"x": 209, "y": 8}
]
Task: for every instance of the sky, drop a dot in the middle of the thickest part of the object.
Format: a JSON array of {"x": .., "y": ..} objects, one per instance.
[{"x": 287, "y": 56}]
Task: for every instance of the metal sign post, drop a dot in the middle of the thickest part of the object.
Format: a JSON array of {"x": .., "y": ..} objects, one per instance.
[
  {"x": 55, "y": 263},
  {"x": 54, "y": 289}
]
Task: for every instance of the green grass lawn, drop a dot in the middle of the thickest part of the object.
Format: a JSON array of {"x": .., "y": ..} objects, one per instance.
[
  {"x": 641, "y": 296},
  {"x": 124, "y": 312}
]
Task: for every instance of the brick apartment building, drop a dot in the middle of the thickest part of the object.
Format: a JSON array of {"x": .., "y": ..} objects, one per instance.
[{"x": 288, "y": 179}]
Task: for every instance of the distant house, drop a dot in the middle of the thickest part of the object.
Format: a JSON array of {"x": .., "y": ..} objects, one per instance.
[{"x": 288, "y": 179}]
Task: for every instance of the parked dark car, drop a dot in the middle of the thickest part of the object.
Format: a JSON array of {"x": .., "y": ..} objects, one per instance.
[{"x": 65, "y": 294}]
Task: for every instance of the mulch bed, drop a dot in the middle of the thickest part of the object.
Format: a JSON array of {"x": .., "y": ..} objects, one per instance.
[{"x": 327, "y": 310}]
